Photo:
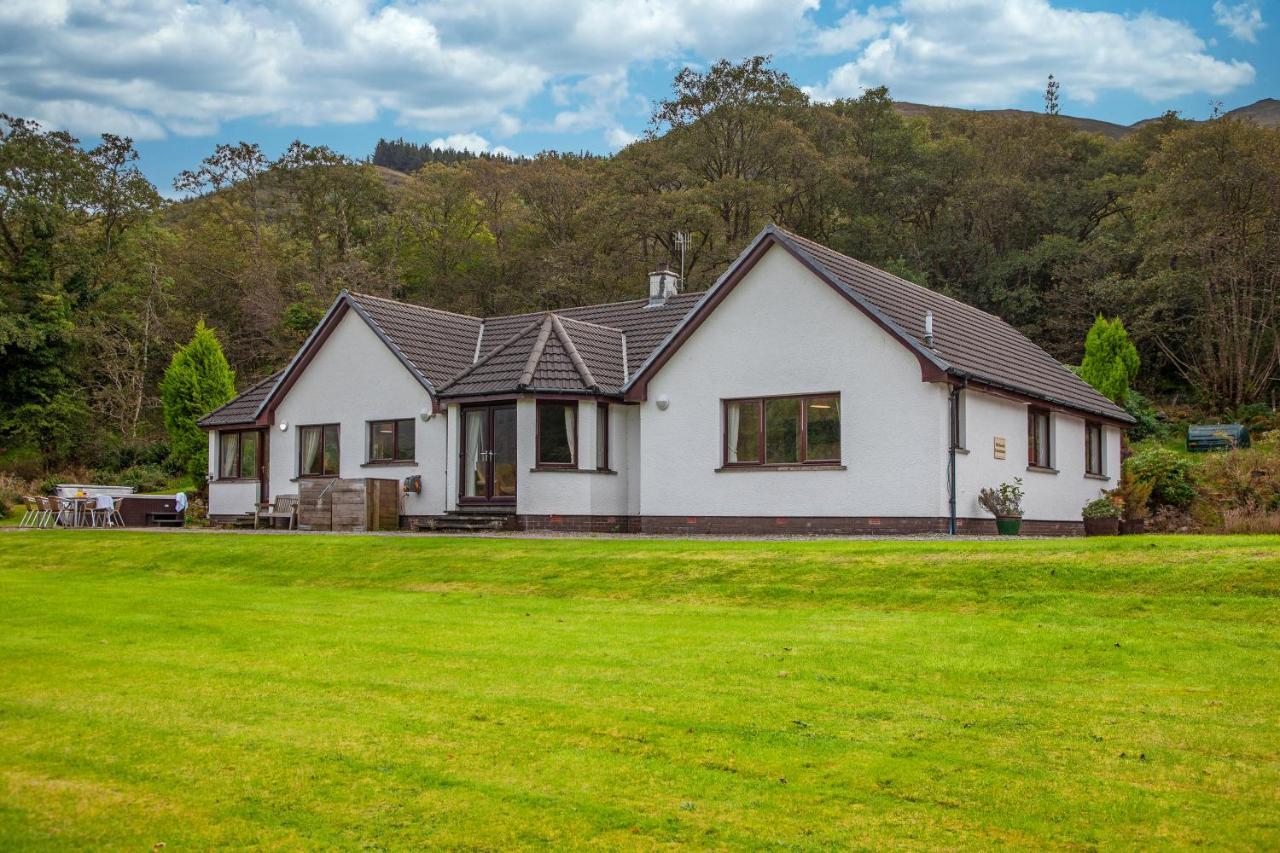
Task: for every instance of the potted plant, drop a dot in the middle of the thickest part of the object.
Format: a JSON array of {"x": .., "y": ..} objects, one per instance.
[
  {"x": 1005, "y": 503},
  {"x": 1101, "y": 517},
  {"x": 1135, "y": 496}
]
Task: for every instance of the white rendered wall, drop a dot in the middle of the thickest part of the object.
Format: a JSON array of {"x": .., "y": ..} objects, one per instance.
[
  {"x": 352, "y": 380},
  {"x": 784, "y": 331},
  {"x": 571, "y": 492},
  {"x": 1049, "y": 496},
  {"x": 228, "y": 497}
]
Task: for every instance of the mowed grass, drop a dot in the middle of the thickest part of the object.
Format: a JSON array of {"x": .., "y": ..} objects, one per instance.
[{"x": 316, "y": 691}]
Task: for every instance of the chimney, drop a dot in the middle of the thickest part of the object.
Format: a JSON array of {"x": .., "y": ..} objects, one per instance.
[
  {"x": 662, "y": 283},
  {"x": 928, "y": 329}
]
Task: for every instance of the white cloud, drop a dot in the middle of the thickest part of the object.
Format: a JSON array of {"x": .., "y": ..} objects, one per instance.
[
  {"x": 473, "y": 142},
  {"x": 853, "y": 30},
  {"x": 153, "y": 68},
  {"x": 989, "y": 52},
  {"x": 619, "y": 137},
  {"x": 1242, "y": 20}
]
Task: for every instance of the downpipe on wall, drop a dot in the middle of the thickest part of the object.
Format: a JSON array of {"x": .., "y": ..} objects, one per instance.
[{"x": 953, "y": 415}]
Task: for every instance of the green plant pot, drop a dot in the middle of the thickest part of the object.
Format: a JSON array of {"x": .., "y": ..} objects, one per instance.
[{"x": 1008, "y": 525}]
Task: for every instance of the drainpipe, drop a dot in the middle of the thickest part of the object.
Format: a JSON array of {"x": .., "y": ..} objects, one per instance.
[{"x": 953, "y": 412}]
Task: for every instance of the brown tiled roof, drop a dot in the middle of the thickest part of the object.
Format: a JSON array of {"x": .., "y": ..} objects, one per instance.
[
  {"x": 971, "y": 342},
  {"x": 242, "y": 410},
  {"x": 548, "y": 353},
  {"x": 645, "y": 326},
  {"x": 600, "y": 348},
  {"x": 439, "y": 344}
]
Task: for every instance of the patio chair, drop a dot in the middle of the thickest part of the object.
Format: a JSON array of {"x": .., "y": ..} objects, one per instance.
[
  {"x": 285, "y": 507},
  {"x": 49, "y": 511},
  {"x": 104, "y": 513},
  {"x": 31, "y": 511}
]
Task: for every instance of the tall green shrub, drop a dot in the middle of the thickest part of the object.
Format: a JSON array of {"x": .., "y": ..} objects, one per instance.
[
  {"x": 197, "y": 381},
  {"x": 1110, "y": 359}
]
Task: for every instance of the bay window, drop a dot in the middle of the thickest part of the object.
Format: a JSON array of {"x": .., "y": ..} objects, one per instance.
[
  {"x": 557, "y": 434},
  {"x": 238, "y": 455},
  {"x": 602, "y": 437}
]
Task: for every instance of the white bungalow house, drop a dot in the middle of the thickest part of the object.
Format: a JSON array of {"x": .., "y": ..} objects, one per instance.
[{"x": 804, "y": 392}]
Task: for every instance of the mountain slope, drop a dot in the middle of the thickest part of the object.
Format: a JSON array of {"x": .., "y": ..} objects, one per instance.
[{"x": 1265, "y": 113}]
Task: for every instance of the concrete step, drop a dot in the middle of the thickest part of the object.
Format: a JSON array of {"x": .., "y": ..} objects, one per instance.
[{"x": 467, "y": 522}]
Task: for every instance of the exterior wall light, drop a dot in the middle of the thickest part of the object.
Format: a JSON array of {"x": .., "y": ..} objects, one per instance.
[
  {"x": 284, "y": 425},
  {"x": 663, "y": 402}
]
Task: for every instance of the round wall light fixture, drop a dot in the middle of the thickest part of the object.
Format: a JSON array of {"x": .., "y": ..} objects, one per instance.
[{"x": 663, "y": 402}]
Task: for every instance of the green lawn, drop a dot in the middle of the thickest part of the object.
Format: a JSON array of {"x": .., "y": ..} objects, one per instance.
[{"x": 205, "y": 690}]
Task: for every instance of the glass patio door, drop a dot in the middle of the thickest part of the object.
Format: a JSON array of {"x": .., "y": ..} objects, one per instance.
[{"x": 488, "y": 469}]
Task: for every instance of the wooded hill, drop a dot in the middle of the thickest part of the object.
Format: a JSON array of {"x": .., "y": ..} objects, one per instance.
[{"x": 1175, "y": 228}]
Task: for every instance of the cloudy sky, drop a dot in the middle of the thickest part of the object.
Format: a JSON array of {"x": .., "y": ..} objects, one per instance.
[{"x": 526, "y": 75}]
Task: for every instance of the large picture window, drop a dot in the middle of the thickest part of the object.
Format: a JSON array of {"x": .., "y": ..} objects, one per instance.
[
  {"x": 794, "y": 430},
  {"x": 318, "y": 451},
  {"x": 391, "y": 441},
  {"x": 557, "y": 434},
  {"x": 238, "y": 455},
  {"x": 1094, "y": 450},
  {"x": 1039, "y": 449}
]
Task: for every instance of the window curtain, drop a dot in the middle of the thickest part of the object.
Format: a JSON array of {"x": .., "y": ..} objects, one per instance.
[
  {"x": 475, "y": 429},
  {"x": 732, "y": 417},
  {"x": 570, "y": 412},
  {"x": 228, "y": 454},
  {"x": 311, "y": 439}
]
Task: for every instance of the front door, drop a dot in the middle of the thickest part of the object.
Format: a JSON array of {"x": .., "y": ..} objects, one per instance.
[{"x": 488, "y": 466}]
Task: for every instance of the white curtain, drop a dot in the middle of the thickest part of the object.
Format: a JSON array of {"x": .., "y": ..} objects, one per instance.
[
  {"x": 732, "y": 416},
  {"x": 475, "y": 428},
  {"x": 228, "y": 452},
  {"x": 311, "y": 439},
  {"x": 570, "y": 433}
]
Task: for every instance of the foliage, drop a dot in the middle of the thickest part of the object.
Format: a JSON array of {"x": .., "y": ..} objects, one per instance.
[
  {"x": 197, "y": 381},
  {"x": 1103, "y": 507},
  {"x": 143, "y": 478},
  {"x": 1149, "y": 424},
  {"x": 1110, "y": 359},
  {"x": 12, "y": 491},
  {"x": 405, "y": 156},
  {"x": 1004, "y": 501},
  {"x": 1245, "y": 479},
  {"x": 1172, "y": 230},
  {"x": 1167, "y": 473},
  {"x": 1210, "y": 275},
  {"x": 1133, "y": 494}
]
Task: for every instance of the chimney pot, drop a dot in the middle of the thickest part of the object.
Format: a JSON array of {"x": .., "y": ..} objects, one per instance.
[
  {"x": 928, "y": 329},
  {"x": 663, "y": 282}
]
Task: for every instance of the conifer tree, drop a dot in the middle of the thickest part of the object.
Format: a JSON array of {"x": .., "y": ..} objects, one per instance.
[
  {"x": 197, "y": 381},
  {"x": 1110, "y": 359}
]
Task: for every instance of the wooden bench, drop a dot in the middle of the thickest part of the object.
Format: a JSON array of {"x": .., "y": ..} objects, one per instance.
[{"x": 285, "y": 508}]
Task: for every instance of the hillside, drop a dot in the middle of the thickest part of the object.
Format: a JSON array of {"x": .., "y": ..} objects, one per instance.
[{"x": 1265, "y": 113}]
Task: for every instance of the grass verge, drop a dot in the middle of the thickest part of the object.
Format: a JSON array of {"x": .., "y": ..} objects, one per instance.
[{"x": 205, "y": 690}]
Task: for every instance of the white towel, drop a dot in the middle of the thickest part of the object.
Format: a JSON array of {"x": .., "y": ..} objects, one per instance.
[
  {"x": 180, "y": 502},
  {"x": 103, "y": 502}
]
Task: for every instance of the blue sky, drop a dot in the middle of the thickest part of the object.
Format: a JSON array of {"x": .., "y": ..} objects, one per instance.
[{"x": 527, "y": 75}]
